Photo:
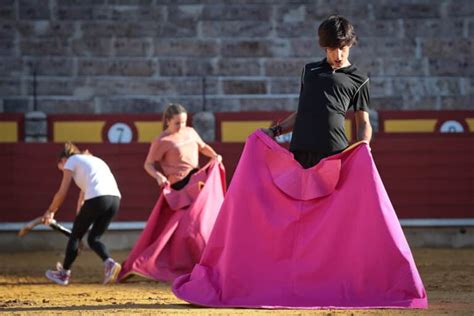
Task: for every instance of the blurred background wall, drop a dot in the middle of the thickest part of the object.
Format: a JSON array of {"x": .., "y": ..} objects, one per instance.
[{"x": 102, "y": 56}]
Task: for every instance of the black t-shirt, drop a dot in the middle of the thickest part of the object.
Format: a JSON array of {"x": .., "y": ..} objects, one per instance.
[{"x": 325, "y": 97}]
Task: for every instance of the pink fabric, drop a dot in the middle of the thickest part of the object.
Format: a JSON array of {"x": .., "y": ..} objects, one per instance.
[
  {"x": 286, "y": 237},
  {"x": 178, "y": 228}
]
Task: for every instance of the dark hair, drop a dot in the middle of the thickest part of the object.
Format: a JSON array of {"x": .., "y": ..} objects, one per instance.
[
  {"x": 336, "y": 32},
  {"x": 172, "y": 109},
  {"x": 69, "y": 150}
]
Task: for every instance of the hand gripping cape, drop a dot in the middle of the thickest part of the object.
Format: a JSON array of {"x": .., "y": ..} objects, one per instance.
[
  {"x": 178, "y": 228},
  {"x": 286, "y": 237}
]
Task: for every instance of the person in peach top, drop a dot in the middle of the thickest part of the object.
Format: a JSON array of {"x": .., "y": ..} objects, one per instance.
[{"x": 176, "y": 150}]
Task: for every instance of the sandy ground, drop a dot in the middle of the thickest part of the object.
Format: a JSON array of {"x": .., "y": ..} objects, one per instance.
[{"x": 448, "y": 275}]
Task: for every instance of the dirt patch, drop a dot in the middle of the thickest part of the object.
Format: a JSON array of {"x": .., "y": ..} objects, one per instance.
[{"x": 447, "y": 274}]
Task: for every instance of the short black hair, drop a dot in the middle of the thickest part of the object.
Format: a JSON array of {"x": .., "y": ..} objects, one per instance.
[{"x": 336, "y": 32}]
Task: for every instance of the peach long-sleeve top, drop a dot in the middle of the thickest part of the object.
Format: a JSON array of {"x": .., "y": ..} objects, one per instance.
[{"x": 177, "y": 153}]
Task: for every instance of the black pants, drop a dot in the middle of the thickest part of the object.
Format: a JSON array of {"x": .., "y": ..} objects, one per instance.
[
  {"x": 308, "y": 159},
  {"x": 182, "y": 183},
  {"x": 97, "y": 212}
]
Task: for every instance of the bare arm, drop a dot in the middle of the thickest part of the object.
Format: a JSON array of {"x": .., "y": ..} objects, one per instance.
[
  {"x": 149, "y": 167},
  {"x": 208, "y": 151},
  {"x": 286, "y": 125},
  {"x": 59, "y": 197},
  {"x": 364, "y": 129},
  {"x": 155, "y": 154}
]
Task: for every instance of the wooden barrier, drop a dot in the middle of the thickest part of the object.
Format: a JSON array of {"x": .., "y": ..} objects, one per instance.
[
  {"x": 416, "y": 122},
  {"x": 233, "y": 127},
  {"x": 425, "y": 176},
  {"x": 11, "y": 127},
  {"x": 104, "y": 128},
  {"x": 427, "y": 173}
]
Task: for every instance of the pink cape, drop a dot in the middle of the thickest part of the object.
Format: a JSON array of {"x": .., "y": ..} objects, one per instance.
[
  {"x": 178, "y": 228},
  {"x": 286, "y": 237}
]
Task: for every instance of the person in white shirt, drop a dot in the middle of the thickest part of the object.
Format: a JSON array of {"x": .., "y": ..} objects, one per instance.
[{"x": 98, "y": 202}]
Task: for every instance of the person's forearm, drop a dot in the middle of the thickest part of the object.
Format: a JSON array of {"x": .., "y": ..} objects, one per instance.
[
  {"x": 288, "y": 123},
  {"x": 58, "y": 200},
  {"x": 208, "y": 151},
  {"x": 364, "y": 132},
  {"x": 151, "y": 170}
]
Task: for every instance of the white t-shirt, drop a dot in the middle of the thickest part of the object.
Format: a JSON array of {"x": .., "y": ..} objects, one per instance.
[{"x": 92, "y": 176}]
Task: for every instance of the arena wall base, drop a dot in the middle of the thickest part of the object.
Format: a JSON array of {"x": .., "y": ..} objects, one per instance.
[
  {"x": 50, "y": 240},
  {"x": 418, "y": 237}
]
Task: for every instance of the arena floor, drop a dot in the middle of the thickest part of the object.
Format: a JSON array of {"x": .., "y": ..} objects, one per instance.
[{"x": 448, "y": 275}]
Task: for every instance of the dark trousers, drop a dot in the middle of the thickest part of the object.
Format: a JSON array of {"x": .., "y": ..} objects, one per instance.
[
  {"x": 182, "y": 183},
  {"x": 97, "y": 212},
  {"x": 308, "y": 159}
]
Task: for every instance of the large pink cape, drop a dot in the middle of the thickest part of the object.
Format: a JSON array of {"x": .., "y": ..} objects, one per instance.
[
  {"x": 286, "y": 237},
  {"x": 178, "y": 228}
]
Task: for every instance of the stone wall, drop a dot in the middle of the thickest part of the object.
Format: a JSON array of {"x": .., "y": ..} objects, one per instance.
[{"x": 101, "y": 56}]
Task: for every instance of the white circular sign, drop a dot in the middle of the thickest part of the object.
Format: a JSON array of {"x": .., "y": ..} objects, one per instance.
[
  {"x": 451, "y": 127},
  {"x": 120, "y": 133}
]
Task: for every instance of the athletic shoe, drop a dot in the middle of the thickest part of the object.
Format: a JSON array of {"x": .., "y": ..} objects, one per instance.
[
  {"x": 111, "y": 270},
  {"x": 60, "y": 276}
]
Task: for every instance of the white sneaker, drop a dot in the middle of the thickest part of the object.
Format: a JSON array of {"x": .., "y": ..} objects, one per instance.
[
  {"x": 111, "y": 270},
  {"x": 60, "y": 276}
]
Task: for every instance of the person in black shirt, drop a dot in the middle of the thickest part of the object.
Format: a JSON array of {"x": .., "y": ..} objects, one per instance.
[{"x": 328, "y": 89}]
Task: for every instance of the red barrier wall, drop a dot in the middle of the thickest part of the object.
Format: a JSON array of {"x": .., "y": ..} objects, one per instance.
[{"x": 426, "y": 176}]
